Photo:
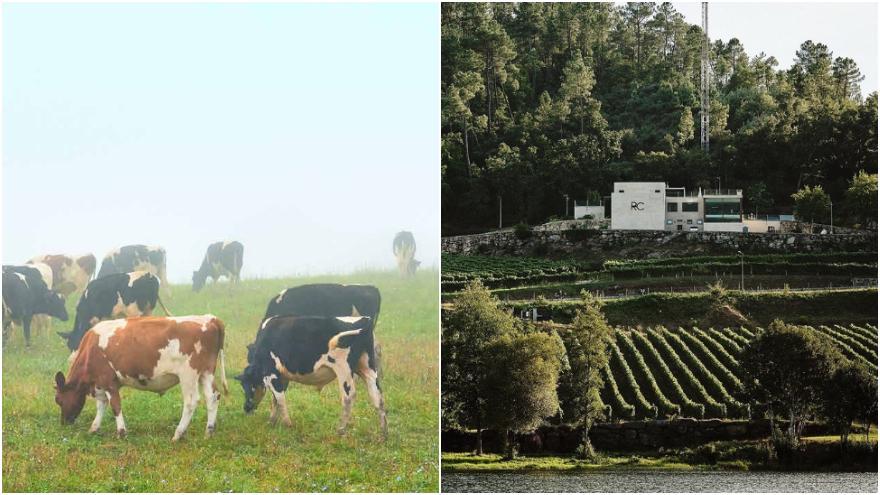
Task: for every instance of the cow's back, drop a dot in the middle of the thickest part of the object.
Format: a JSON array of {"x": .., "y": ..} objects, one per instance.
[{"x": 326, "y": 300}]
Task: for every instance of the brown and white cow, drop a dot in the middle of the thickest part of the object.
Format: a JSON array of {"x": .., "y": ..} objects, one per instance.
[
  {"x": 147, "y": 353},
  {"x": 69, "y": 273}
]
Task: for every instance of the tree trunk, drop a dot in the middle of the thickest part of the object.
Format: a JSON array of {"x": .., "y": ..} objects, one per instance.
[
  {"x": 467, "y": 153},
  {"x": 509, "y": 453},
  {"x": 587, "y": 451}
]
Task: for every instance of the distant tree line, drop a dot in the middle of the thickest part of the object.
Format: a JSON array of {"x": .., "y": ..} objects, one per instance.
[{"x": 544, "y": 100}]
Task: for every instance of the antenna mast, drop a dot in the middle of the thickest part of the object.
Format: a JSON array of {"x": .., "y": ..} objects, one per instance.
[{"x": 704, "y": 82}]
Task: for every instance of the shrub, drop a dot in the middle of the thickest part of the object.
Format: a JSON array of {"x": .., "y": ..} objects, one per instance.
[{"x": 522, "y": 231}]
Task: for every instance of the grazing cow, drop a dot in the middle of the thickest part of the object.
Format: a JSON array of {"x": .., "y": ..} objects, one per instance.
[
  {"x": 313, "y": 351},
  {"x": 147, "y": 353},
  {"x": 69, "y": 273},
  {"x": 41, "y": 322},
  {"x": 326, "y": 300},
  {"x": 134, "y": 258},
  {"x": 222, "y": 258},
  {"x": 404, "y": 249},
  {"x": 25, "y": 294},
  {"x": 120, "y": 295}
]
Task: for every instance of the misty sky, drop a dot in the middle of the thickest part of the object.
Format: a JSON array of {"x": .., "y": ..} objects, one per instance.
[
  {"x": 778, "y": 29},
  {"x": 307, "y": 132}
]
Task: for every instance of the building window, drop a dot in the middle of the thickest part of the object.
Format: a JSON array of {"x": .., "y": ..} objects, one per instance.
[
  {"x": 657, "y": 191},
  {"x": 620, "y": 191},
  {"x": 675, "y": 193},
  {"x": 672, "y": 207},
  {"x": 699, "y": 222},
  {"x": 719, "y": 210},
  {"x": 680, "y": 227},
  {"x": 690, "y": 207},
  {"x": 690, "y": 221},
  {"x": 669, "y": 222}
]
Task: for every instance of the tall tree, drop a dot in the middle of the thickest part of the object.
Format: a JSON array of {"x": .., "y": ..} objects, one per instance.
[{"x": 586, "y": 343}]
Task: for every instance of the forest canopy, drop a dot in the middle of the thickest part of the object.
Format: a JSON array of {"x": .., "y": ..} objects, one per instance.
[{"x": 546, "y": 100}]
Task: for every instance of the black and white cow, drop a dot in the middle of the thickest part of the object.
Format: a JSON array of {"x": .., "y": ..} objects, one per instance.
[
  {"x": 404, "y": 249},
  {"x": 25, "y": 294},
  {"x": 326, "y": 300},
  {"x": 222, "y": 259},
  {"x": 120, "y": 295},
  {"x": 134, "y": 258},
  {"x": 313, "y": 351}
]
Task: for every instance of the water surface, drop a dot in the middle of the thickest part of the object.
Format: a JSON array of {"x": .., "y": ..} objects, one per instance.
[{"x": 653, "y": 481}]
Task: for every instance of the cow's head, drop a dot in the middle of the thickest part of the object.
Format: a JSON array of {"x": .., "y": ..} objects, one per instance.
[
  {"x": 254, "y": 389},
  {"x": 199, "y": 279},
  {"x": 55, "y": 305},
  {"x": 70, "y": 397},
  {"x": 413, "y": 266}
]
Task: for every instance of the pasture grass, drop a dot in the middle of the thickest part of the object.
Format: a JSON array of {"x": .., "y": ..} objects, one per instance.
[{"x": 246, "y": 453}]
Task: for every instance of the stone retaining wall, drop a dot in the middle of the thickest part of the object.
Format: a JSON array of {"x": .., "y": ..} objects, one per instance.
[
  {"x": 631, "y": 435},
  {"x": 542, "y": 242}
]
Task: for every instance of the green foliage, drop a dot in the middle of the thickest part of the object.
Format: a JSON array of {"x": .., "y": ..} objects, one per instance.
[
  {"x": 811, "y": 204},
  {"x": 789, "y": 369},
  {"x": 861, "y": 198},
  {"x": 522, "y": 231},
  {"x": 522, "y": 372},
  {"x": 586, "y": 344},
  {"x": 572, "y": 97},
  {"x": 474, "y": 322},
  {"x": 851, "y": 394}
]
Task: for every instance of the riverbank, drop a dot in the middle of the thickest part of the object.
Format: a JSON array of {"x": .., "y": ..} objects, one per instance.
[{"x": 821, "y": 453}]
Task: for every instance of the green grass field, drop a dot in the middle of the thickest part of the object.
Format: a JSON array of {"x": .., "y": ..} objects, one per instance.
[{"x": 246, "y": 453}]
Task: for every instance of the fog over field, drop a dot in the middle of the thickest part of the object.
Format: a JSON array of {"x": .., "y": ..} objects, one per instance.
[{"x": 268, "y": 127}]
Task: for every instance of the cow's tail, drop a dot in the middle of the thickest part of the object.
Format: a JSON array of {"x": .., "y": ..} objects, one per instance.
[
  {"x": 167, "y": 313},
  {"x": 223, "y": 372}
]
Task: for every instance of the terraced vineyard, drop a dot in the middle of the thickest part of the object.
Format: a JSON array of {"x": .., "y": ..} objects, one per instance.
[
  {"x": 695, "y": 372},
  {"x": 508, "y": 272}
]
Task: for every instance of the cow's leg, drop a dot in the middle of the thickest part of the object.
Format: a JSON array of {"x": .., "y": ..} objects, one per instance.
[
  {"x": 116, "y": 406},
  {"x": 212, "y": 400},
  {"x": 372, "y": 380},
  {"x": 344, "y": 377},
  {"x": 101, "y": 406},
  {"x": 26, "y": 326},
  {"x": 189, "y": 389},
  {"x": 281, "y": 403},
  {"x": 273, "y": 410}
]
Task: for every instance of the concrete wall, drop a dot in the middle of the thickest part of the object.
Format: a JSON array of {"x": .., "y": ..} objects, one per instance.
[
  {"x": 723, "y": 226},
  {"x": 641, "y": 206},
  {"x": 598, "y": 212},
  {"x": 681, "y": 217}
]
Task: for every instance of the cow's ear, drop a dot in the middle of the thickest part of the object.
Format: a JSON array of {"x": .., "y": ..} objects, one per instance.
[{"x": 59, "y": 380}]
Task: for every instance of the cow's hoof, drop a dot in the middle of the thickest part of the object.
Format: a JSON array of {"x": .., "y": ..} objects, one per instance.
[
  {"x": 93, "y": 430},
  {"x": 209, "y": 431},
  {"x": 121, "y": 433}
]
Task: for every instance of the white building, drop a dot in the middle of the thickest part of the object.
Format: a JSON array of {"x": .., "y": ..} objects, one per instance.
[{"x": 656, "y": 206}]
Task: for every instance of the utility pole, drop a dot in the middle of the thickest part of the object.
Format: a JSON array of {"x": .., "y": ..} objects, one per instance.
[
  {"x": 704, "y": 82},
  {"x": 499, "y": 212},
  {"x": 742, "y": 271},
  {"x": 565, "y": 213}
]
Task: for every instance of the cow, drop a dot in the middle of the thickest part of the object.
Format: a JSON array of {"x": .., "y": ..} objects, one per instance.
[
  {"x": 42, "y": 321},
  {"x": 134, "y": 258},
  {"x": 69, "y": 273},
  {"x": 222, "y": 258},
  {"x": 25, "y": 294},
  {"x": 146, "y": 353},
  {"x": 404, "y": 249},
  {"x": 326, "y": 300},
  {"x": 312, "y": 350},
  {"x": 119, "y": 295}
]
